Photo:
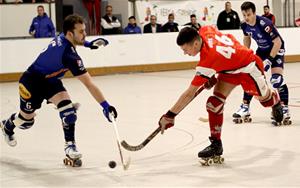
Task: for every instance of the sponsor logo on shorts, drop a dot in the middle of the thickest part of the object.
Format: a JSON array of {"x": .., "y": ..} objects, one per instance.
[{"x": 25, "y": 94}]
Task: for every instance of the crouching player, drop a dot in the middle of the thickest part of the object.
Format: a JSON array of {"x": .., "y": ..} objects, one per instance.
[{"x": 235, "y": 65}]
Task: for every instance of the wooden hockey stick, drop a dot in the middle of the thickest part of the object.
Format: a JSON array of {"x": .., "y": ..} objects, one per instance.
[
  {"x": 155, "y": 132},
  {"x": 124, "y": 164}
]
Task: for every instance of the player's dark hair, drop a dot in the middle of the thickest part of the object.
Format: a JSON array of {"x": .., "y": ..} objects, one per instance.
[
  {"x": 187, "y": 35},
  {"x": 266, "y": 6},
  {"x": 70, "y": 21},
  {"x": 247, "y": 6},
  {"x": 193, "y": 16}
]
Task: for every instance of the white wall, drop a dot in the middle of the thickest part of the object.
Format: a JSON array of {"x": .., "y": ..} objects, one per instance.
[
  {"x": 15, "y": 19},
  {"x": 17, "y": 55}
]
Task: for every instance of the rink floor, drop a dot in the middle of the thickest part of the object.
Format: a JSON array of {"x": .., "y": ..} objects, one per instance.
[{"x": 256, "y": 154}]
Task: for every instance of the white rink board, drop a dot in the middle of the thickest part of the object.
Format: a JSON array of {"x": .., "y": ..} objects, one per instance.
[{"x": 140, "y": 49}]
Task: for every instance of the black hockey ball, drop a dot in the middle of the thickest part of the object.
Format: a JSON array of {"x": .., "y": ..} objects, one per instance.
[{"x": 112, "y": 164}]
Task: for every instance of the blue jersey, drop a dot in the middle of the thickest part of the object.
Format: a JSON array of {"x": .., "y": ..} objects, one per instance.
[
  {"x": 59, "y": 57},
  {"x": 263, "y": 32}
]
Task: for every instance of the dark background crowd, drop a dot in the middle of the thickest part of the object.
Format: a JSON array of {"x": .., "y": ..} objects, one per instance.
[{"x": 110, "y": 24}]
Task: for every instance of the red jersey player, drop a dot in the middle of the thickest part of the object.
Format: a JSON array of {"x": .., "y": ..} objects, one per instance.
[{"x": 235, "y": 65}]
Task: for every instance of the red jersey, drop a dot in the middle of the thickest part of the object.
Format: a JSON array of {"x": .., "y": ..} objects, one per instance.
[{"x": 220, "y": 53}]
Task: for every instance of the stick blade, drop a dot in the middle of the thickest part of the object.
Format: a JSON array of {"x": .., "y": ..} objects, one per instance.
[
  {"x": 126, "y": 165},
  {"x": 131, "y": 148}
]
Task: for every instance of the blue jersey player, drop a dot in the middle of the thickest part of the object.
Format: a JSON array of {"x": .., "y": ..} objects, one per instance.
[
  {"x": 271, "y": 51},
  {"x": 42, "y": 81}
]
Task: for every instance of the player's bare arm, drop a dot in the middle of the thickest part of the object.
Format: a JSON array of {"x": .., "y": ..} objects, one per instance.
[
  {"x": 247, "y": 41},
  {"x": 184, "y": 99},
  {"x": 276, "y": 47},
  {"x": 86, "y": 79}
]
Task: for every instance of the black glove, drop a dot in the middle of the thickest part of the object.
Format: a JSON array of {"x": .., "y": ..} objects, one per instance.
[{"x": 94, "y": 44}]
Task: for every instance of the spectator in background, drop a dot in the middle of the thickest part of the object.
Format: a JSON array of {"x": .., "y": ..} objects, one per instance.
[
  {"x": 193, "y": 24},
  {"x": 228, "y": 18},
  {"x": 268, "y": 15},
  {"x": 132, "y": 28},
  {"x": 110, "y": 24},
  {"x": 170, "y": 26},
  {"x": 41, "y": 25},
  {"x": 152, "y": 27}
]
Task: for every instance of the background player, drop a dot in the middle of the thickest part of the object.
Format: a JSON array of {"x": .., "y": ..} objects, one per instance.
[
  {"x": 235, "y": 65},
  {"x": 270, "y": 50},
  {"x": 42, "y": 80}
]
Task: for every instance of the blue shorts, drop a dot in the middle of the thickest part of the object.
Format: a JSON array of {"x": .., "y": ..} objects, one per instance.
[
  {"x": 33, "y": 89},
  {"x": 278, "y": 60}
]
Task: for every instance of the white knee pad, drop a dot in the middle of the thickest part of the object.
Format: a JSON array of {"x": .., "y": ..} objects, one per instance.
[{"x": 277, "y": 80}]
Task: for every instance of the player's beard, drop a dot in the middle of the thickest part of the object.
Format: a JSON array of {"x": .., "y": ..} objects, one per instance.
[{"x": 78, "y": 41}]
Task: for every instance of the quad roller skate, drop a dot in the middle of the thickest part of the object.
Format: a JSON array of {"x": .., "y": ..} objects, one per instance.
[
  {"x": 9, "y": 138},
  {"x": 286, "y": 119},
  {"x": 212, "y": 153},
  {"x": 242, "y": 115},
  {"x": 73, "y": 157}
]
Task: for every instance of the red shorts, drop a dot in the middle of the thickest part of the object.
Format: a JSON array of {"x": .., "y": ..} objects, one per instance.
[{"x": 251, "y": 78}]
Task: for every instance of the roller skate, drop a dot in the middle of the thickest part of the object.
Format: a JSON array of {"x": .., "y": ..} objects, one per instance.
[
  {"x": 73, "y": 157},
  {"x": 286, "y": 117},
  {"x": 8, "y": 136},
  {"x": 212, "y": 153},
  {"x": 242, "y": 115}
]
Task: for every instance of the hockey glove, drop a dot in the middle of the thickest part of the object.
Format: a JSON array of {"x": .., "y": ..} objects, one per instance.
[
  {"x": 94, "y": 44},
  {"x": 267, "y": 63},
  {"x": 210, "y": 83},
  {"x": 167, "y": 121},
  {"x": 108, "y": 109}
]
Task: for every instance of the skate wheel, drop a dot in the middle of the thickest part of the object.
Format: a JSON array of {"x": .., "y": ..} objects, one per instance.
[
  {"x": 287, "y": 122},
  {"x": 72, "y": 162},
  {"x": 68, "y": 162},
  {"x": 65, "y": 161},
  {"x": 77, "y": 163},
  {"x": 276, "y": 123},
  {"x": 221, "y": 160},
  {"x": 237, "y": 121},
  {"x": 210, "y": 162}
]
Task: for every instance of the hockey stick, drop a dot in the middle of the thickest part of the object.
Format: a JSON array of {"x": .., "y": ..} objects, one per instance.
[
  {"x": 124, "y": 164},
  {"x": 155, "y": 132}
]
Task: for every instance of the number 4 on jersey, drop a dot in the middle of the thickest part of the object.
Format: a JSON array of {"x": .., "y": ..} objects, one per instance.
[{"x": 226, "y": 51}]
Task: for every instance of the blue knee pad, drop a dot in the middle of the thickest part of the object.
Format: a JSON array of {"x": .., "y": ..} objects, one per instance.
[
  {"x": 67, "y": 112},
  {"x": 277, "y": 80},
  {"x": 22, "y": 123}
]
